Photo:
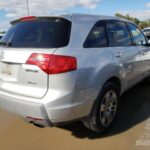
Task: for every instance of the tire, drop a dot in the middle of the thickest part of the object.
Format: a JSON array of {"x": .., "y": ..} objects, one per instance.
[{"x": 105, "y": 109}]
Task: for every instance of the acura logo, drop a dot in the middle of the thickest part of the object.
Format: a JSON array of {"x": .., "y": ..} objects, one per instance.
[{"x": 2, "y": 55}]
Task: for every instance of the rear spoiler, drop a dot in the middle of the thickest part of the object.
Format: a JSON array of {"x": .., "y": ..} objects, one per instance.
[
  {"x": 28, "y": 18},
  {"x": 23, "y": 19}
]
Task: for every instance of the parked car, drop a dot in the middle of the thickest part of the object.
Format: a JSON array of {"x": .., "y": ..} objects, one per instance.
[
  {"x": 147, "y": 32},
  {"x": 63, "y": 68}
]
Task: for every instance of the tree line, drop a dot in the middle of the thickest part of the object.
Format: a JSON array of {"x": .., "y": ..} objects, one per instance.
[{"x": 142, "y": 24}]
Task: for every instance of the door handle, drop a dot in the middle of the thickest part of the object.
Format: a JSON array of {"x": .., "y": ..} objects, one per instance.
[{"x": 119, "y": 54}]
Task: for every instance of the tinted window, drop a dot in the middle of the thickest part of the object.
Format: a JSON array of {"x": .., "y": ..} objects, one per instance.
[
  {"x": 118, "y": 34},
  {"x": 138, "y": 36},
  {"x": 97, "y": 37},
  {"x": 41, "y": 33}
]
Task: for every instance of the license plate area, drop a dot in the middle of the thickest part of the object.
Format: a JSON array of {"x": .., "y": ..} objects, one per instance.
[{"x": 8, "y": 70}]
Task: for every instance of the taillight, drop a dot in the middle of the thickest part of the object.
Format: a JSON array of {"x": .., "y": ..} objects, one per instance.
[
  {"x": 61, "y": 64},
  {"x": 40, "y": 60},
  {"x": 53, "y": 64}
]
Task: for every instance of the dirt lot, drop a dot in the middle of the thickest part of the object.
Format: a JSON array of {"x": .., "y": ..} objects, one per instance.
[{"x": 130, "y": 131}]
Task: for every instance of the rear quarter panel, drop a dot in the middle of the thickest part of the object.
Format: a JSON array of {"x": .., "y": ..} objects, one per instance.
[{"x": 95, "y": 66}]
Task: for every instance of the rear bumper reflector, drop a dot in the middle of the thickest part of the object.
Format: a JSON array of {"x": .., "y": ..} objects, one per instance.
[{"x": 34, "y": 119}]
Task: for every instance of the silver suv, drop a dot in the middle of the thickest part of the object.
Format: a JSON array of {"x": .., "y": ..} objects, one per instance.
[{"x": 68, "y": 67}]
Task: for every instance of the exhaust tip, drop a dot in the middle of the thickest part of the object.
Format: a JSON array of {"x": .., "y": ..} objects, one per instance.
[{"x": 36, "y": 124}]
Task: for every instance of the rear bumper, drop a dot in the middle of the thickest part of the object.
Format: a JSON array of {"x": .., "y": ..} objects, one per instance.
[
  {"x": 33, "y": 112},
  {"x": 53, "y": 109}
]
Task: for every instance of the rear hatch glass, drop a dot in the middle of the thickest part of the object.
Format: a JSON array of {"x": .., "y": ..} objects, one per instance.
[{"x": 40, "y": 33}]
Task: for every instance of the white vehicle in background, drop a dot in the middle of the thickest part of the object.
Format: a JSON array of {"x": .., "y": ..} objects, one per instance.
[{"x": 146, "y": 32}]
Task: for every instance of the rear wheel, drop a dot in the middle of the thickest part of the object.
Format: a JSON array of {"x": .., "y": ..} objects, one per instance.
[{"x": 105, "y": 109}]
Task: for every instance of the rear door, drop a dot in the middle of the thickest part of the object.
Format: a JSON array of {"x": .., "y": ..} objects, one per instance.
[
  {"x": 123, "y": 50},
  {"x": 140, "y": 41},
  {"x": 25, "y": 52}
]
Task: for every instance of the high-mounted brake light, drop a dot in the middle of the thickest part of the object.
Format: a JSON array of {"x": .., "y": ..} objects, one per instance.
[
  {"x": 53, "y": 64},
  {"x": 28, "y": 18}
]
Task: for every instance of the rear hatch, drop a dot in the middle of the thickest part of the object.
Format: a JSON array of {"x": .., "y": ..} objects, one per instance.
[{"x": 30, "y": 39}]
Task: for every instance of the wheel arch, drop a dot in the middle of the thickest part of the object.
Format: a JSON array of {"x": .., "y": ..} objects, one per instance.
[{"x": 116, "y": 80}]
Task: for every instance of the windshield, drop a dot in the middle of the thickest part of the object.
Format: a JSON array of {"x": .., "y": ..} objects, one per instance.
[{"x": 41, "y": 33}]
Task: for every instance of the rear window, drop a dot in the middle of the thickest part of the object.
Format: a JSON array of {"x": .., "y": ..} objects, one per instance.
[
  {"x": 97, "y": 37},
  {"x": 40, "y": 33}
]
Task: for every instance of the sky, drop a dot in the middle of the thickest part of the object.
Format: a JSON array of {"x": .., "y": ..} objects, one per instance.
[{"x": 13, "y": 9}]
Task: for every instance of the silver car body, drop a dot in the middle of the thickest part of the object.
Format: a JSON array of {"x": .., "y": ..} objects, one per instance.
[{"x": 50, "y": 100}]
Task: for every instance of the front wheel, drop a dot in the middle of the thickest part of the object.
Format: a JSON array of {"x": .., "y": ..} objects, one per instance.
[{"x": 105, "y": 109}]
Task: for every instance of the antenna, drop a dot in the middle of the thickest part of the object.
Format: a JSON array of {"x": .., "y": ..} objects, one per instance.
[
  {"x": 88, "y": 10},
  {"x": 28, "y": 9}
]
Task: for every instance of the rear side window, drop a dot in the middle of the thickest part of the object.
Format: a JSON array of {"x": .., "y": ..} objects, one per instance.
[
  {"x": 40, "y": 33},
  {"x": 138, "y": 36},
  {"x": 97, "y": 36},
  {"x": 118, "y": 34}
]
